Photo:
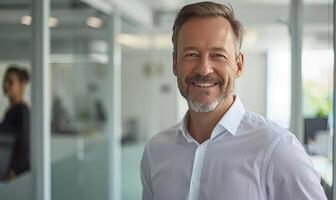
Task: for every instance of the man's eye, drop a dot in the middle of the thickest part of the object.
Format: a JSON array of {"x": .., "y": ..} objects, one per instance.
[
  {"x": 191, "y": 55},
  {"x": 218, "y": 55}
]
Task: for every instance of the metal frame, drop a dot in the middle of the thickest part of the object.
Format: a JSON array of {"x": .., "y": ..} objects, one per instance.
[
  {"x": 40, "y": 120},
  {"x": 295, "y": 28},
  {"x": 114, "y": 107}
]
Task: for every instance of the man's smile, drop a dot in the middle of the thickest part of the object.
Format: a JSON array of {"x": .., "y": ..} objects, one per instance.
[{"x": 204, "y": 84}]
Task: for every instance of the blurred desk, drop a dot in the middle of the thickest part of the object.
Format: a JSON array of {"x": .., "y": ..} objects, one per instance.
[{"x": 324, "y": 167}]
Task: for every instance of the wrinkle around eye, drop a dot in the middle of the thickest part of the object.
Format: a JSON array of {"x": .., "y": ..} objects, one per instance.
[
  {"x": 220, "y": 56},
  {"x": 190, "y": 56}
]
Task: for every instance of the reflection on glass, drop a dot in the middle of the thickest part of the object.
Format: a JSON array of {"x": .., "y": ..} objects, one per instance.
[{"x": 14, "y": 128}]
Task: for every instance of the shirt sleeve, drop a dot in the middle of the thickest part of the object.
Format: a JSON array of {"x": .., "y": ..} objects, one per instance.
[
  {"x": 290, "y": 174},
  {"x": 147, "y": 193}
]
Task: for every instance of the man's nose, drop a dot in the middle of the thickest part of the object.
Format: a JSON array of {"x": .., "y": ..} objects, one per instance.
[{"x": 204, "y": 67}]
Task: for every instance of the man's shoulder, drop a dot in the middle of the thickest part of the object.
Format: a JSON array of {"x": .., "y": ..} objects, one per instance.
[
  {"x": 165, "y": 136},
  {"x": 281, "y": 139},
  {"x": 267, "y": 133},
  {"x": 254, "y": 121}
]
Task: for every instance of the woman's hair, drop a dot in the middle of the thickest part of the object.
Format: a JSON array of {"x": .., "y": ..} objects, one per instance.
[
  {"x": 19, "y": 71},
  {"x": 208, "y": 9}
]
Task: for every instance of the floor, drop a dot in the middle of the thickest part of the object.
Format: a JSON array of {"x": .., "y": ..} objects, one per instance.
[{"x": 131, "y": 183}]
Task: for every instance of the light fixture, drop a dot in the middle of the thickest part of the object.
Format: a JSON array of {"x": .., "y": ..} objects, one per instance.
[
  {"x": 94, "y": 22},
  {"x": 52, "y": 22},
  {"x": 162, "y": 41},
  {"x": 136, "y": 41},
  {"x": 26, "y": 20},
  {"x": 145, "y": 41}
]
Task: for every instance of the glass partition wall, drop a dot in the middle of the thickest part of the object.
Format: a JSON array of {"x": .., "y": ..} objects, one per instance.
[
  {"x": 15, "y": 99},
  {"x": 79, "y": 68}
]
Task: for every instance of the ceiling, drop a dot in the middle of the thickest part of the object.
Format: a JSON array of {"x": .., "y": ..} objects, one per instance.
[
  {"x": 265, "y": 21},
  {"x": 175, "y": 4}
]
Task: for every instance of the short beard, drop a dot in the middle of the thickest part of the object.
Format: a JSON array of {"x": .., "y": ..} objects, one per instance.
[{"x": 197, "y": 106}]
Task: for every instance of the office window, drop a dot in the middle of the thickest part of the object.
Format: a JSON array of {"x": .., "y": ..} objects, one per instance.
[{"x": 317, "y": 83}]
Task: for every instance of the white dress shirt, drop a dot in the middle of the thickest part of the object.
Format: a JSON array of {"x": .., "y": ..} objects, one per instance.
[{"x": 247, "y": 157}]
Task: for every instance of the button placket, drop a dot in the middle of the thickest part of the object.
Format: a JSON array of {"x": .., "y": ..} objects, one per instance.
[{"x": 197, "y": 171}]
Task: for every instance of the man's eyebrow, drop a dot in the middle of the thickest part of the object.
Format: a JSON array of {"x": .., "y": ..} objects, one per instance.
[
  {"x": 218, "y": 49},
  {"x": 189, "y": 48}
]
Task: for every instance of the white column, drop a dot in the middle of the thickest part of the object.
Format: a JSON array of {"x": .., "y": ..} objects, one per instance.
[
  {"x": 40, "y": 112},
  {"x": 113, "y": 104},
  {"x": 295, "y": 28}
]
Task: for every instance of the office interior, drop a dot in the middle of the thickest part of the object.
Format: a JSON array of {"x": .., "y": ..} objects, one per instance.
[{"x": 102, "y": 85}]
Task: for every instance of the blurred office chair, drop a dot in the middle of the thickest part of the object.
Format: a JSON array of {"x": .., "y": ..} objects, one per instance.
[
  {"x": 312, "y": 126},
  {"x": 316, "y": 136}
]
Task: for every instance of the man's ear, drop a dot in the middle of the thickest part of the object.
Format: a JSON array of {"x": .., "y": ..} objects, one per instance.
[
  {"x": 240, "y": 65},
  {"x": 175, "y": 63}
]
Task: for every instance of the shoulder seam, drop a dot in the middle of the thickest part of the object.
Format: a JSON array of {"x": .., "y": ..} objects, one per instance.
[{"x": 267, "y": 158}]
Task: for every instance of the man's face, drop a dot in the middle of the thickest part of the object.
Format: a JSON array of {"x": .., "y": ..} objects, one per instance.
[{"x": 206, "y": 63}]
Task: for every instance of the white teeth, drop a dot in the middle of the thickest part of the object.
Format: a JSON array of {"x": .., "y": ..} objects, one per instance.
[{"x": 204, "y": 84}]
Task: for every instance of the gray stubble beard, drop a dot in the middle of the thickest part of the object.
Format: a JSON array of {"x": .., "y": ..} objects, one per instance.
[{"x": 197, "y": 106}]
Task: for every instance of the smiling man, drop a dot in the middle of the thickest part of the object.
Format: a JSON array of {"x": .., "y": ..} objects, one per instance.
[{"x": 220, "y": 150}]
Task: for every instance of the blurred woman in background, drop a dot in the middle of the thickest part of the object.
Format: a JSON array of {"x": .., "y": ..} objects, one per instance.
[{"x": 16, "y": 120}]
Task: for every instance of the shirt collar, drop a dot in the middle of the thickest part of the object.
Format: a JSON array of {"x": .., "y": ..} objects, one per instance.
[
  {"x": 182, "y": 127},
  {"x": 230, "y": 121},
  {"x": 232, "y": 118}
]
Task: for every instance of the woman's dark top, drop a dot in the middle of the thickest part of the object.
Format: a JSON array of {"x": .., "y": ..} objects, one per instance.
[{"x": 16, "y": 122}]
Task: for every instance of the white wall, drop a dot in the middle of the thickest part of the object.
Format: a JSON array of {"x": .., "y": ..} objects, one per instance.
[
  {"x": 251, "y": 86},
  {"x": 142, "y": 95}
]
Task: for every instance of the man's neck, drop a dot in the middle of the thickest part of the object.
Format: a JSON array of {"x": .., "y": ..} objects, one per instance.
[{"x": 201, "y": 124}]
